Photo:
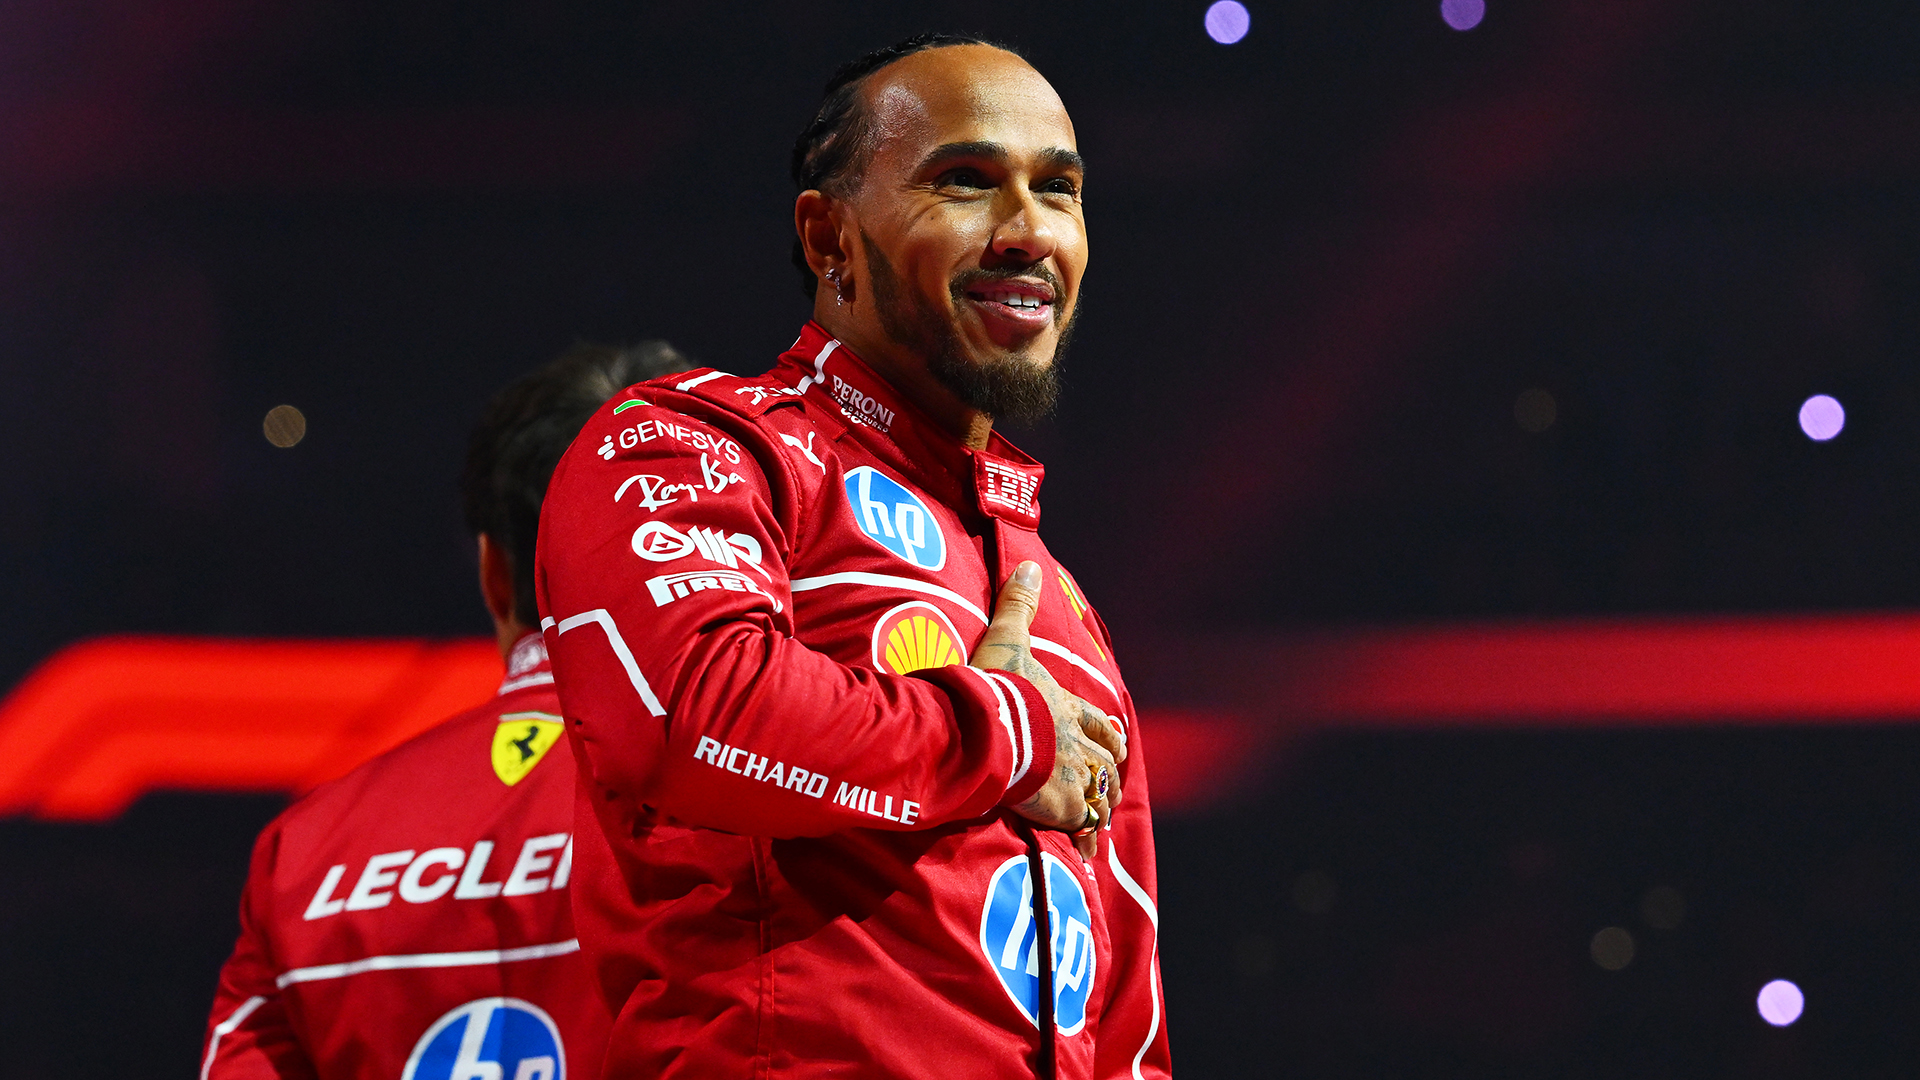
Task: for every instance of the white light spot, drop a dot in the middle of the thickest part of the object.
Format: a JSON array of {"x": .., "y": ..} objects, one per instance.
[
  {"x": 1821, "y": 417},
  {"x": 1781, "y": 1003},
  {"x": 1463, "y": 14},
  {"x": 1227, "y": 21}
]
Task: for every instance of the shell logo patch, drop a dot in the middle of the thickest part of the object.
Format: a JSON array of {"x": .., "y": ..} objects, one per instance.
[
  {"x": 521, "y": 740},
  {"x": 915, "y": 635}
]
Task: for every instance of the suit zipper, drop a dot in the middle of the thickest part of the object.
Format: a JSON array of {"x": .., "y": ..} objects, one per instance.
[{"x": 1048, "y": 1060}]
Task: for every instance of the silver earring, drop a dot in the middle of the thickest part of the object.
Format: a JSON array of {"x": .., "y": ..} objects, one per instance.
[{"x": 839, "y": 287}]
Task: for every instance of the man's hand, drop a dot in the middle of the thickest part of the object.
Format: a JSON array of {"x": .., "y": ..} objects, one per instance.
[{"x": 1087, "y": 742}]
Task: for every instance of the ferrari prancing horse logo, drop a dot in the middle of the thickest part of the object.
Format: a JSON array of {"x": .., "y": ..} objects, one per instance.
[{"x": 521, "y": 740}]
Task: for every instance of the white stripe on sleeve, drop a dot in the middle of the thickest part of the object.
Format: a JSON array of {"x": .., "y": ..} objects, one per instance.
[
  {"x": 427, "y": 960},
  {"x": 227, "y": 1027},
  {"x": 1006, "y": 716},
  {"x": 1024, "y": 753}
]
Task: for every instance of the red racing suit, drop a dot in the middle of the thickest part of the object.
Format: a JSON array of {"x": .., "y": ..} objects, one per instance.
[
  {"x": 410, "y": 920},
  {"x": 760, "y": 595}
]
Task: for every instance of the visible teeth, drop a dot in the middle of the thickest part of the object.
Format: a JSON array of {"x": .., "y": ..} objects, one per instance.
[{"x": 1018, "y": 300}]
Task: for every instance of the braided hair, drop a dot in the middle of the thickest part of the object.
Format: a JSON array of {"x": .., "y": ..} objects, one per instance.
[{"x": 834, "y": 144}]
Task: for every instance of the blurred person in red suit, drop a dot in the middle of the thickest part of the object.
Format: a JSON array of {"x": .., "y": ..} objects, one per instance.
[{"x": 411, "y": 919}]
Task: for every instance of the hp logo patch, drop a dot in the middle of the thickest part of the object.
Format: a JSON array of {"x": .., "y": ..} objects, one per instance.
[
  {"x": 895, "y": 518},
  {"x": 490, "y": 1039},
  {"x": 1009, "y": 939}
]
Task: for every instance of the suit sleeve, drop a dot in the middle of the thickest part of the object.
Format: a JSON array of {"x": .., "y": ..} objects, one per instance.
[
  {"x": 1133, "y": 1023},
  {"x": 249, "y": 1036},
  {"x": 663, "y": 578}
]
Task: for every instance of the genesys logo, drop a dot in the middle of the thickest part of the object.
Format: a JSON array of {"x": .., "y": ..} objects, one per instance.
[
  {"x": 657, "y": 541},
  {"x": 669, "y": 588},
  {"x": 1010, "y": 939},
  {"x": 499, "y": 1038},
  {"x": 895, "y": 518},
  {"x": 913, "y": 636},
  {"x": 648, "y": 430}
]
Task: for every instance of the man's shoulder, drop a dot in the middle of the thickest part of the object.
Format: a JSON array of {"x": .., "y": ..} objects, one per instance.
[
  {"x": 748, "y": 396},
  {"x": 775, "y": 405},
  {"x": 458, "y": 765},
  {"x": 707, "y": 410}
]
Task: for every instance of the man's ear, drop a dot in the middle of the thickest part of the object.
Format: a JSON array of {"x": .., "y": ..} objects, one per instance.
[
  {"x": 817, "y": 221},
  {"x": 496, "y": 580}
]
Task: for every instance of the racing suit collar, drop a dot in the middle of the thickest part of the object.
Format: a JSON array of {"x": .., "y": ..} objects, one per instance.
[
  {"x": 1001, "y": 481},
  {"x": 527, "y": 664}
]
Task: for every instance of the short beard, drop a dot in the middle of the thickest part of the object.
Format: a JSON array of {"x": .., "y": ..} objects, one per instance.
[{"x": 1014, "y": 388}]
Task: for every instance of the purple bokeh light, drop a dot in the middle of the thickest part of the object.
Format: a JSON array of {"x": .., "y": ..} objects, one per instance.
[
  {"x": 1228, "y": 20},
  {"x": 1463, "y": 14},
  {"x": 1821, "y": 417},
  {"x": 1781, "y": 1003}
]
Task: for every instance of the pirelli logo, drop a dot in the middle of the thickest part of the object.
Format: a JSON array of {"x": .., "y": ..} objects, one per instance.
[{"x": 668, "y": 588}]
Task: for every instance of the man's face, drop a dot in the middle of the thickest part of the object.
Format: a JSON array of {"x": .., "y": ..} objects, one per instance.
[{"x": 971, "y": 231}]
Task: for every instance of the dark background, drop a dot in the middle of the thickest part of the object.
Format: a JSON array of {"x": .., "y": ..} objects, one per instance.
[{"x": 1327, "y": 261}]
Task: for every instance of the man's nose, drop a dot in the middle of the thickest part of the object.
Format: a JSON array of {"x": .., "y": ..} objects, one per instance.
[{"x": 1023, "y": 234}]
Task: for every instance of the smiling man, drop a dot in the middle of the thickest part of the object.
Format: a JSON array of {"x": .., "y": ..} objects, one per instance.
[{"x": 855, "y": 739}]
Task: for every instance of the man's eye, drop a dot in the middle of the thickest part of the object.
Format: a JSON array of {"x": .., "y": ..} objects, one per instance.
[
  {"x": 963, "y": 178},
  {"x": 1060, "y": 185}
]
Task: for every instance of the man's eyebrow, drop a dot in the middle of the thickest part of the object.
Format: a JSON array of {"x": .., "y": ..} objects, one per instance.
[
  {"x": 1052, "y": 157},
  {"x": 958, "y": 151},
  {"x": 1064, "y": 160}
]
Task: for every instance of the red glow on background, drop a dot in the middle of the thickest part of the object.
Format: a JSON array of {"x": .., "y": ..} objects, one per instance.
[
  {"x": 105, "y": 721},
  {"x": 1578, "y": 672},
  {"x": 1199, "y": 759}
]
